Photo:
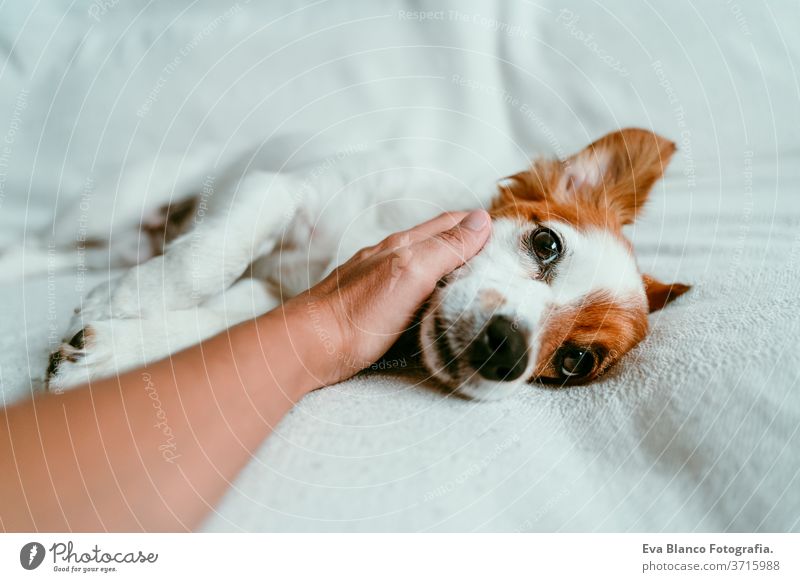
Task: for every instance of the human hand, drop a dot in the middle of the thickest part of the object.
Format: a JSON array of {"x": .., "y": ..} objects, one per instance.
[{"x": 353, "y": 317}]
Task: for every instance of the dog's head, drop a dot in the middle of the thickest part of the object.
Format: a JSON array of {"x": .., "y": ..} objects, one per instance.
[{"x": 555, "y": 296}]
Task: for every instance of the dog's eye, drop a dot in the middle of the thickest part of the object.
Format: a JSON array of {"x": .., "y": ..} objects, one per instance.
[
  {"x": 574, "y": 363},
  {"x": 546, "y": 245}
]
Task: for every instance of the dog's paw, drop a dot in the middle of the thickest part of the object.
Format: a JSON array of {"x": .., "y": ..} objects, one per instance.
[
  {"x": 112, "y": 346},
  {"x": 97, "y": 351},
  {"x": 64, "y": 363},
  {"x": 77, "y": 361}
]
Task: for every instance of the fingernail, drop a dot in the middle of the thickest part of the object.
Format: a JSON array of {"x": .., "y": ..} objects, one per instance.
[{"x": 475, "y": 220}]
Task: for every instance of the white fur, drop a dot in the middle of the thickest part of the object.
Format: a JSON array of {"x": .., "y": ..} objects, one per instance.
[
  {"x": 592, "y": 261},
  {"x": 292, "y": 228},
  {"x": 289, "y": 228}
]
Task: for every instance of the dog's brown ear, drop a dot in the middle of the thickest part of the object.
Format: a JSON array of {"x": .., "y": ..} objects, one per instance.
[
  {"x": 616, "y": 172},
  {"x": 659, "y": 294}
]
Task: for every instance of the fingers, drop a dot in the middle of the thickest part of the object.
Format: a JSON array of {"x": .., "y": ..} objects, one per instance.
[
  {"x": 444, "y": 221},
  {"x": 404, "y": 238},
  {"x": 443, "y": 252}
]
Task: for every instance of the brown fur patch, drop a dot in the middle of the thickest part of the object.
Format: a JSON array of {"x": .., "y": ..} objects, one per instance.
[
  {"x": 604, "y": 186},
  {"x": 628, "y": 163},
  {"x": 598, "y": 323},
  {"x": 659, "y": 294},
  {"x": 171, "y": 221}
]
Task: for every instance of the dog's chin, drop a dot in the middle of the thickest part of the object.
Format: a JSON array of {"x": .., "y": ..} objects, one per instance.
[
  {"x": 446, "y": 363},
  {"x": 486, "y": 390}
]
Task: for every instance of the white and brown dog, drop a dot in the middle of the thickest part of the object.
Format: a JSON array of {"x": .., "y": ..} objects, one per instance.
[{"x": 555, "y": 296}]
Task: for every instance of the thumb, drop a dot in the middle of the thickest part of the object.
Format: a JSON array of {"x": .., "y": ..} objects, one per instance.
[{"x": 444, "y": 252}]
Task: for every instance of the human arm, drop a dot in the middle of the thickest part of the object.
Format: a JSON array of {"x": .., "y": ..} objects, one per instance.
[{"x": 154, "y": 449}]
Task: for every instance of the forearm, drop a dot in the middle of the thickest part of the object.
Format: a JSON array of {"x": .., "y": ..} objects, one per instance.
[{"x": 155, "y": 448}]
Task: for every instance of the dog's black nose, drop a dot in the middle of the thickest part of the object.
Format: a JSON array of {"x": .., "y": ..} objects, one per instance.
[{"x": 500, "y": 353}]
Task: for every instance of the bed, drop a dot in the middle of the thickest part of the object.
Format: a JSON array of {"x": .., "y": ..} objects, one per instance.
[{"x": 698, "y": 429}]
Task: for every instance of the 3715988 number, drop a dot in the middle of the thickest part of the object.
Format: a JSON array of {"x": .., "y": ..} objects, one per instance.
[{"x": 755, "y": 565}]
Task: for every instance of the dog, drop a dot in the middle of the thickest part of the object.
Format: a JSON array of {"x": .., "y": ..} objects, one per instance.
[{"x": 554, "y": 297}]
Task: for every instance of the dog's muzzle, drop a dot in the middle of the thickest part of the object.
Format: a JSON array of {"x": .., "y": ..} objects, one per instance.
[{"x": 500, "y": 352}]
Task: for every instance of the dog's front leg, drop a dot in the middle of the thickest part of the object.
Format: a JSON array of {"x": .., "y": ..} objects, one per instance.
[
  {"x": 224, "y": 239},
  {"x": 107, "y": 347}
]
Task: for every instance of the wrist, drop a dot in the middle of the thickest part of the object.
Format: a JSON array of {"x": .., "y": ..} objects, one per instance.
[
  {"x": 285, "y": 354},
  {"x": 312, "y": 347}
]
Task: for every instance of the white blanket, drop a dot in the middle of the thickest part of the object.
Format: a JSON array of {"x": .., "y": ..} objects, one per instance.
[{"x": 697, "y": 429}]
